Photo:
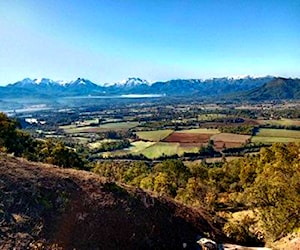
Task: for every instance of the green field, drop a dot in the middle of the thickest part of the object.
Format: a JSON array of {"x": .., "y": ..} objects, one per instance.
[
  {"x": 264, "y": 139},
  {"x": 165, "y": 148},
  {"x": 281, "y": 122},
  {"x": 266, "y": 135},
  {"x": 156, "y": 135},
  {"x": 153, "y": 150},
  {"x": 266, "y": 132},
  {"x": 138, "y": 146},
  {"x": 200, "y": 131}
]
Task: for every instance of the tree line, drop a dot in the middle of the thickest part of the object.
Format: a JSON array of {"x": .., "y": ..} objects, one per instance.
[
  {"x": 14, "y": 140},
  {"x": 263, "y": 187}
]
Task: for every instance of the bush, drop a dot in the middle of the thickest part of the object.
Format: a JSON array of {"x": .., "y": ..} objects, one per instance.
[{"x": 243, "y": 229}]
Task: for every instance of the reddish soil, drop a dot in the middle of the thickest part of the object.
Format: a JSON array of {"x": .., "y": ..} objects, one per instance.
[
  {"x": 189, "y": 138},
  {"x": 184, "y": 144},
  {"x": 45, "y": 207}
]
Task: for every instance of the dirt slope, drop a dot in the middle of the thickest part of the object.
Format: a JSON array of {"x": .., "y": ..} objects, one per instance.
[{"x": 44, "y": 205}]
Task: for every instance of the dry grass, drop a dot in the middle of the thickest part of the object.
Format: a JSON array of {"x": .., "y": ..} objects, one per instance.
[
  {"x": 229, "y": 137},
  {"x": 73, "y": 209}
]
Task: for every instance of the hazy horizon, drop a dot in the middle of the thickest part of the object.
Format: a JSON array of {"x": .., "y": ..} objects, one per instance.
[{"x": 108, "y": 41}]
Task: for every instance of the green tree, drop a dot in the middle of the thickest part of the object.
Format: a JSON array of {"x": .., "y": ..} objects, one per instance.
[
  {"x": 164, "y": 185},
  {"x": 135, "y": 173},
  {"x": 175, "y": 169},
  {"x": 275, "y": 192}
]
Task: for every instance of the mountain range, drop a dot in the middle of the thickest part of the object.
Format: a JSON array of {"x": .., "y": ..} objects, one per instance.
[{"x": 247, "y": 88}]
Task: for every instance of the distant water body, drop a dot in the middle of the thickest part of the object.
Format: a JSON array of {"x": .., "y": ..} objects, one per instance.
[{"x": 117, "y": 96}]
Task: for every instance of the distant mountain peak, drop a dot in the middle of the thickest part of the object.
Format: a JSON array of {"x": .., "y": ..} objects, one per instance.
[
  {"x": 26, "y": 80},
  {"x": 80, "y": 82},
  {"x": 133, "y": 81},
  {"x": 44, "y": 81}
]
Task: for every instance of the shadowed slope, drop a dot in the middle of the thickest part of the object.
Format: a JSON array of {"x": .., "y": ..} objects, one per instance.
[{"x": 77, "y": 209}]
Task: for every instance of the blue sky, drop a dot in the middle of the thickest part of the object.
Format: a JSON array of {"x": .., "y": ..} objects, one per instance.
[{"x": 107, "y": 41}]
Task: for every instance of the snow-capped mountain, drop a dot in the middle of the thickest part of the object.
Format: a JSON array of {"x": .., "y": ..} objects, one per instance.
[
  {"x": 42, "y": 82},
  {"x": 129, "y": 82},
  {"x": 212, "y": 88},
  {"x": 81, "y": 82},
  {"x": 48, "y": 87},
  {"x": 133, "y": 81},
  {"x": 35, "y": 83},
  {"x": 83, "y": 86}
]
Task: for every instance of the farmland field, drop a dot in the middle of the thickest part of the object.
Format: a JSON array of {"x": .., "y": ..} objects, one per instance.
[
  {"x": 72, "y": 129},
  {"x": 164, "y": 148},
  {"x": 153, "y": 150},
  {"x": 228, "y": 140},
  {"x": 156, "y": 135},
  {"x": 139, "y": 146},
  {"x": 264, "y": 139},
  {"x": 136, "y": 148},
  {"x": 229, "y": 137},
  {"x": 266, "y": 132},
  {"x": 158, "y": 149},
  {"x": 276, "y": 135},
  {"x": 200, "y": 131},
  {"x": 281, "y": 122},
  {"x": 119, "y": 125},
  {"x": 188, "y": 138}
]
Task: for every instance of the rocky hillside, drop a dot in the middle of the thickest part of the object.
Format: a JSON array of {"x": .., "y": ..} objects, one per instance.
[{"x": 46, "y": 206}]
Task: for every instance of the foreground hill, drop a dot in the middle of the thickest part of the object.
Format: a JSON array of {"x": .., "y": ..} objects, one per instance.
[{"x": 42, "y": 205}]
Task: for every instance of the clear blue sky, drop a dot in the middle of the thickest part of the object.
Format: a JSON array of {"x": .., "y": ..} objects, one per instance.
[{"x": 109, "y": 40}]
